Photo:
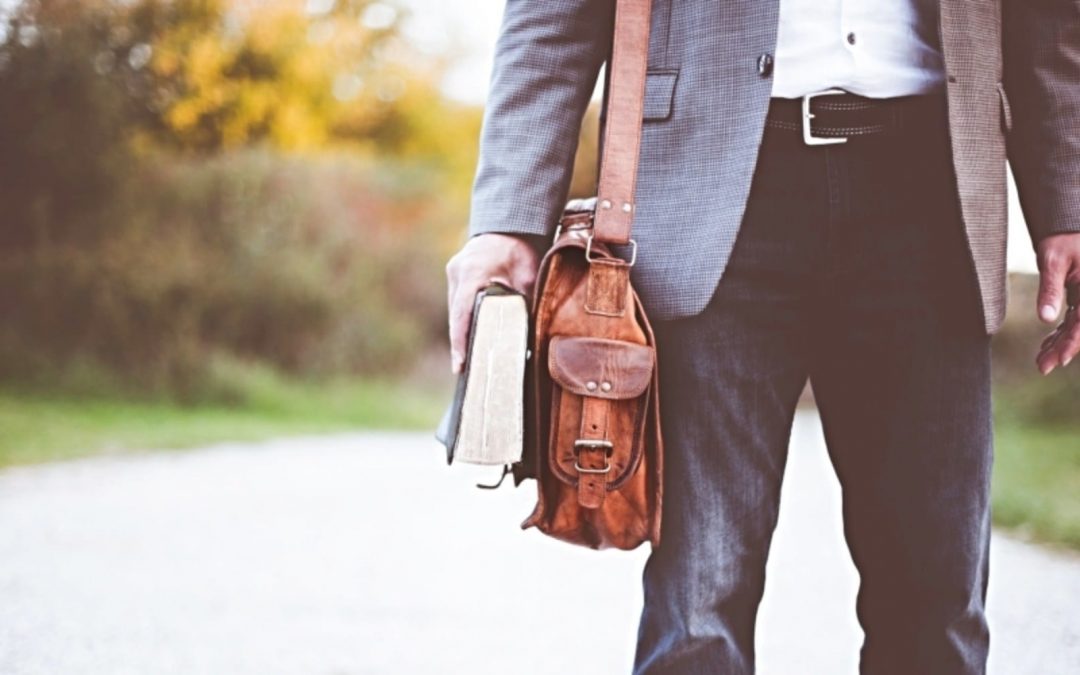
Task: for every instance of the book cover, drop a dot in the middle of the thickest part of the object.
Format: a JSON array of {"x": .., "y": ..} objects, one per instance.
[{"x": 484, "y": 423}]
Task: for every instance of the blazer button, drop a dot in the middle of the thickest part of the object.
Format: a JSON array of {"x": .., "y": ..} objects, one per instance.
[{"x": 765, "y": 65}]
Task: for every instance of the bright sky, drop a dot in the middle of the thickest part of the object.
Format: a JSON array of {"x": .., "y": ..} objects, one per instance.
[{"x": 467, "y": 27}]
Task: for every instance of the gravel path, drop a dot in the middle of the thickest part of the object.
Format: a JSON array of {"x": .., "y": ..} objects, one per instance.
[{"x": 364, "y": 553}]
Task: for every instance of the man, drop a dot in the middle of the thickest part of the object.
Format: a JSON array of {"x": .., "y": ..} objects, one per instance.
[{"x": 768, "y": 255}]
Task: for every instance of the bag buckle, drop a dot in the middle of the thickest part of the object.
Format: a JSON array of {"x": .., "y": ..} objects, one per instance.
[
  {"x": 808, "y": 137},
  {"x": 593, "y": 444},
  {"x": 633, "y": 250}
]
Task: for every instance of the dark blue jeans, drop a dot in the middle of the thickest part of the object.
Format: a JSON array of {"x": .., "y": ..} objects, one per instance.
[{"x": 851, "y": 269}]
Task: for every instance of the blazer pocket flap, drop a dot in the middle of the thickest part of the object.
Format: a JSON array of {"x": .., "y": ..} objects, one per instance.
[
  {"x": 659, "y": 92},
  {"x": 600, "y": 367}
]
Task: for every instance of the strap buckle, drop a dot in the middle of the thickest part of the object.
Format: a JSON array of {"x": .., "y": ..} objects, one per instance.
[
  {"x": 808, "y": 137},
  {"x": 593, "y": 444},
  {"x": 633, "y": 250}
]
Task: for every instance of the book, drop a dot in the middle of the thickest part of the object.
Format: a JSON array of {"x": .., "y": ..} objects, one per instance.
[{"x": 484, "y": 423}]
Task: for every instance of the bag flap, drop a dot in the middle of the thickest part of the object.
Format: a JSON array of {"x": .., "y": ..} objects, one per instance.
[{"x": 599, "y": 367}]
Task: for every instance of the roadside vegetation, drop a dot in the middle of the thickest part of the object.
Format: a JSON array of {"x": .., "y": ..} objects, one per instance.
[
  {"x": 40, "y": 426},
  {"x": 221, "y": 221},
  {"x": 1037, "y": 482}
]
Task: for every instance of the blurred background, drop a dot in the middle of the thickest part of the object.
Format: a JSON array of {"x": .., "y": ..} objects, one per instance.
[
  {"x": 227, "y": 220},
  {"x": 222, "y": 218}
]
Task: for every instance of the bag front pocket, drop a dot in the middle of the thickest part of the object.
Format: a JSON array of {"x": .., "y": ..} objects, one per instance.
[{"x": 599, "y": 395}]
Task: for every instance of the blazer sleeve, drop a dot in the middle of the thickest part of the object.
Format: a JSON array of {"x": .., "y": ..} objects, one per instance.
[
  {"x": 547, "y": 60},
  {"x": 1041, "y": 63}
]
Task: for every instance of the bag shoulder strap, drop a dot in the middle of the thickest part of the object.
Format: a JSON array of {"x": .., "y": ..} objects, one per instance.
[{"x": 622, "y": 131}]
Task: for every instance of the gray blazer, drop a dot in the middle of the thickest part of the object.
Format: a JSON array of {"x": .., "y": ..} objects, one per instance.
[{"x": 707, "y": 92}]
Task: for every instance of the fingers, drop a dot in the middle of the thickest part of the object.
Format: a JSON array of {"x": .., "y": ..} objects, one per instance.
[
  {"x": 1049, "y": 339},
  {"x": 484, "y": 259},
  {"x": 465, "y": 281},
  {"x": 523, "y": 280},
  {"x": 460, "y": 318},
  {"x": 462, "y": 294},
  {"x": 1052, "y": 270},
  {"x": 1061, "y": 346},
  {"x": 462, "y": 299}
]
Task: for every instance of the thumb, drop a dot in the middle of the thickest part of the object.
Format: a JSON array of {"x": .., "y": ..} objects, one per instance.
[{"x": 1051, "y": 287}]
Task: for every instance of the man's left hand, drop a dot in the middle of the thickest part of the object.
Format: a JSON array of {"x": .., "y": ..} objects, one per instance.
[{"x": 1059, "y": 284}]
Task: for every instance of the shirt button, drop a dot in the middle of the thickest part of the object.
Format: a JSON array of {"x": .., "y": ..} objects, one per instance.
[
  {"x": 851, "y": 38},
  {"x": 765, "y": 65}
]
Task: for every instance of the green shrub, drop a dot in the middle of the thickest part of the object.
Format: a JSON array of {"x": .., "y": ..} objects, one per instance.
[{"x": 316, "y": 265}]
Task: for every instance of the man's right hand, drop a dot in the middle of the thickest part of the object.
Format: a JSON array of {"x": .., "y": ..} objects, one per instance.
[{"x": 508, "y": 259}]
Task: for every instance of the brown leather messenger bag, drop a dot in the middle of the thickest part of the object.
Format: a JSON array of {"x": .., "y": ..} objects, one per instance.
[{"x": 593, "y": 440}]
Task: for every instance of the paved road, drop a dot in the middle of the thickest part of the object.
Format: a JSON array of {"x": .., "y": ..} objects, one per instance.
[{"x": 366, "y": 554}]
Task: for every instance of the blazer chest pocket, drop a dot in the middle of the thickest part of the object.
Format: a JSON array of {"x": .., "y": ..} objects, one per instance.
[{"x": 659, "y": 94}]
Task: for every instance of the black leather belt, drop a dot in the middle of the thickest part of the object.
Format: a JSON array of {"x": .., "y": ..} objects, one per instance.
[{"x": 834, "y": 116}]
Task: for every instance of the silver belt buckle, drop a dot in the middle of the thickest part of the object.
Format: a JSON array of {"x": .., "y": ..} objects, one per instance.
[{"x": 808, "y": 137}]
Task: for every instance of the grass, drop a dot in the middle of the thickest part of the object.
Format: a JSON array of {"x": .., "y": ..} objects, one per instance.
[
  {"x": 1036, "y": 489},
  {"x": 38, "y": 427}
]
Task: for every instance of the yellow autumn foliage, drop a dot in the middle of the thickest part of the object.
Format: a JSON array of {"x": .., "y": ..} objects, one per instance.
[{"x": 237, "y": 73}]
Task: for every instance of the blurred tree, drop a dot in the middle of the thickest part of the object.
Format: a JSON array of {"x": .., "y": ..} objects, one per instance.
[
  {"x": 140, "y": 233},
  {"x": 206, "y": 75},
  {"x": 63, "y": 119},
  {"x": 226, "y": 74}
]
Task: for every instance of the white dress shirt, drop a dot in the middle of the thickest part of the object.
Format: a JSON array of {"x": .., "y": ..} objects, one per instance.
[{"x": 876, "y": 48}]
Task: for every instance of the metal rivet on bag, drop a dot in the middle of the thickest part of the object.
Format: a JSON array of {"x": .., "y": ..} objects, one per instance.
[
  {"x": 590, "y": 385},
  {"x": 606, "y": 386},
  {"x": 605, "y": 204},
  {"x": 627, "y": 206}
]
